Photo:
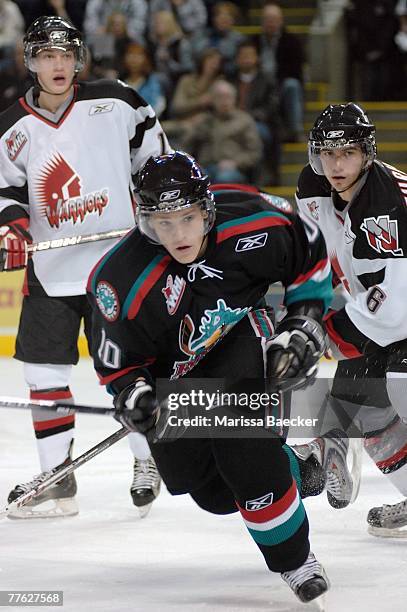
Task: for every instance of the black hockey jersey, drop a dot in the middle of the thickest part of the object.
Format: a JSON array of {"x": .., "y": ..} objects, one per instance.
[
  {"x": 367, "y": 245},
  {"x": 154, "y": 314},
  {"x": 72, "y": 176}
]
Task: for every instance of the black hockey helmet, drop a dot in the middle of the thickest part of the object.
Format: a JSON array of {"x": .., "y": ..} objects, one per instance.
[
  {"x": 339, "y": 126},
  {"x": 169, "y": 183},
  {"x": 52, "y": 32}
]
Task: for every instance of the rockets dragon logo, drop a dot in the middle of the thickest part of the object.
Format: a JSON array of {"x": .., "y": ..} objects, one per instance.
[
  {"x": 59, "y": 191},
  {"x": 213, "y": 326}
]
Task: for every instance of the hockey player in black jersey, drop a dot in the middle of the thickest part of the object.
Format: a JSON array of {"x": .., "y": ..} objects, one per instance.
[
  {"x": 359, "y": 203},
  {"x": 67, "y": 154},
  {"x": 183, "y": 296}
]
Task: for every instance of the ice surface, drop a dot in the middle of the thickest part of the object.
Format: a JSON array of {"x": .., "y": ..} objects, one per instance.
[{"x": 179, "y": 559}]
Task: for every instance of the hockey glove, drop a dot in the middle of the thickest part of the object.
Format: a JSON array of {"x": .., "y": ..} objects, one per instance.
[
  {"x": 136, "y": 407},
  {"x": 294, "y": 352},
  {"x": 14, "y": 239}
]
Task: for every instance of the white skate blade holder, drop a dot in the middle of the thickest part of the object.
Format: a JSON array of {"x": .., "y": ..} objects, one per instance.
[
  {"x": 386, "y": 532},
  {"x": 355, "y": 454},
  {"x": 49, "y": 509}
]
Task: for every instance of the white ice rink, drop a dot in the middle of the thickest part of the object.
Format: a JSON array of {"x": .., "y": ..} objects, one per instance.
[{"x": 179, "y": 559}]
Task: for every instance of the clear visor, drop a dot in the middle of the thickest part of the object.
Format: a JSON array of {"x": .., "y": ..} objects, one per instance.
[
  {"x": 315, "y": 149},
  {"x": 145, "y": 215},
  {"x": 32, "y": 51}
]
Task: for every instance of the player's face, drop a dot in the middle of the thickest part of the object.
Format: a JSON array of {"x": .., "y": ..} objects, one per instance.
[
  {"x": 181, "y": 233},
  {"x": 342, "y": 166},
  {"x": 55, "y": 69}
]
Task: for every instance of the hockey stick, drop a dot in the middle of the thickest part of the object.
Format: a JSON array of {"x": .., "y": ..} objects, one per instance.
[
  {"x": 64, "y": 471},
  {"x": 59, "y": 407},
  {"x": 58, "y": 243}
]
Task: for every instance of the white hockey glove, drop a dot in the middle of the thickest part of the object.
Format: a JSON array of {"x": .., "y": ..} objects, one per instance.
[
  {"x": 294, "y": 352},
  {"x": 136, "y": 407}
]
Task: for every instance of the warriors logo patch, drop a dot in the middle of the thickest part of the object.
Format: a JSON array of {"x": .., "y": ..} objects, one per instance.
[
  {"x": 59, "y": 193},
  {"x": 107, "y": 301}
]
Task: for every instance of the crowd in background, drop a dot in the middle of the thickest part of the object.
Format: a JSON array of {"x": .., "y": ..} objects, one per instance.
[{"x": 226, "y": 98}]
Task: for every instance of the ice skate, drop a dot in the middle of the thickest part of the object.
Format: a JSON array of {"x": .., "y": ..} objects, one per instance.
[
  {"x": 57, "y": 501},
  {"x": 333, "y": 450},
  {"x": 146, "y": 485},
  {"x": 388, "y": 521},
  {"x": 309, "y": 581}
]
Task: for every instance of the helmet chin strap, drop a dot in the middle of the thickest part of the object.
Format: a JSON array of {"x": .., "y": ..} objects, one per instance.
[{"x": 357, "y": 179}]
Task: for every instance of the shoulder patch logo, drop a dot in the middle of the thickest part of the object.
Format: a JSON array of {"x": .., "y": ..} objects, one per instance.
[
  {"x": 251, "y": 242},
  {"x": 99, "y": 109},
  {"x": 382, "y": 234},
  {"x": 278, "y": 202},
  {"x": 173, "y": 292},
  {"x": 107, "y": 301},
  {"x": 260, "y": 502},
  {"x": 313, "y": 208},
  {"x": 15, "y": 143}
]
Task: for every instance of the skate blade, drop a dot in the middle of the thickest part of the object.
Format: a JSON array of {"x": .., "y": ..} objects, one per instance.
[
  {"x": 51, "y": 508},
  {"x": 383, "y": 532},
  {"x": 355, "y": 469},
  {"x": 144, "y": 510}
]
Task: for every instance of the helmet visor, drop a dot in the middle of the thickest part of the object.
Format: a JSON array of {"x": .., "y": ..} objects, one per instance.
[
  {"x": 156, "y": 223},
  {"x": 33, "y": 50}
]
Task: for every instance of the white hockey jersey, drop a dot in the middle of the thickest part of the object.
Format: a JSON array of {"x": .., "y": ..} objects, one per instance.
[
  {"x": 73, "y": 176},
  {"x": 367, "y": 246}
]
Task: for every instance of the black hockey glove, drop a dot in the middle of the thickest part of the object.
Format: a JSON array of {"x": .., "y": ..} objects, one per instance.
[
  {"x": 293, "y": 353},
  {"x": 136, "y": 407}
]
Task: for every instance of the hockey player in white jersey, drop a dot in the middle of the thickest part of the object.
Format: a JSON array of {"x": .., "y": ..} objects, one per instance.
[
  {"x": 67, "y": 154},
  {"x": 359, "y": 204}
]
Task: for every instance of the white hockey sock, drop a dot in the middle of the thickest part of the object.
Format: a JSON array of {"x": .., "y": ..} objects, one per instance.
[{"x": 139, "y": 446}]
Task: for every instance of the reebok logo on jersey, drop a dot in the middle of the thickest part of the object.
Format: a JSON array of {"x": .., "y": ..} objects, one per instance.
[
  {"x": 382, "y": 234},
  {"x": 251, "y": 242},
  {"x": 98, "y": 109},
  {"x": 261, "y": 502},
  {"x": 173, "y": 292},
  {"x": 59, "y": 192},
  {"x": 15, "y": 143}
]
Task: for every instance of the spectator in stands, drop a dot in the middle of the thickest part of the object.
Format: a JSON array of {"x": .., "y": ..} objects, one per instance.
[
  {"x": 137, "y": 72},
  {"x": 282, "y": 58},
  {"x": 98, "y": 12},
  {"x": 15, "y": 80},
  {"x": 192, "y": 98},
  {"x": 116, "y": 26},
  {"x": 225, "y": 140},
  {"x": 372, "y": 26},
  {"x": 171, "y": 51},
  {"x": 191, "y": 15},
  {"x": 257, "y": 94},
  {"x": 11, "y": 31},
  {"x": 71, "y": 9},
  {"x": 221, "y": 35},
  {"x": 401, "y": 42}
]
